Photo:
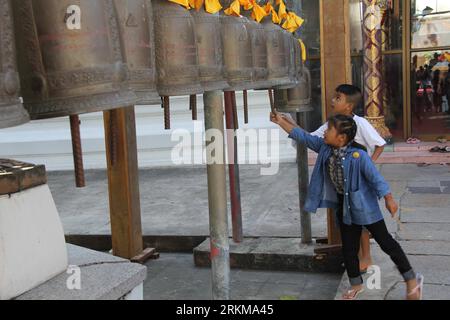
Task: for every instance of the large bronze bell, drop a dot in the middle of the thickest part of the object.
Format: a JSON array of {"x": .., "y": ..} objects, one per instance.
[
  {"x": 70, "y": 57},
  {"x": 259, "y": 53},
  {"x": 176, "y": 50},
  {"x": 296, "y": 99},
  {"x": 298, "y": 59},
  {"x": 12, "y": 113},
  {"x": 137, "y": 37},
  {"x": 289, "y": 45},
  {"x": 277, "y": 54},
  {"x": 210, "y": 55},
  {"x": 210, "y": 51},
  {"x": 299, "y": 97},
  {"x": 237, "y": 50},
  {"x": 280, "y": 97}
]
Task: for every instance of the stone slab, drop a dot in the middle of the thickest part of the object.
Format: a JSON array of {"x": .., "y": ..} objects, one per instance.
[{"x": 103, "y": 277}]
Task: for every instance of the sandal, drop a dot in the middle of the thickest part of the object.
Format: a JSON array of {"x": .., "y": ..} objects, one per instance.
[
  {"x": 413, "y": 141},
  {"x": 423, "y": 164},
  {"x": 435, "y": 149},
  {"x": 352, "y": 294},
  {"x": 419, "y": 287}
]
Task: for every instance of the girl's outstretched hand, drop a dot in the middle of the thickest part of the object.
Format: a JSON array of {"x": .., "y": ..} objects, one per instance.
[
  {"x": 276, "y": 117},
  {"x": 391, "y": 205}
]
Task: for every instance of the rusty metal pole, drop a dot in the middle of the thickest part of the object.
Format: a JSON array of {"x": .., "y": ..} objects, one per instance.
[
  {"x": 77, "y": 151},
  {"x": 193, "y": 106},
  {"x": 233, "y": 170},
  {"x": 166, "y": 106},
  {"x": 217, "y": 196},
  {"x": 303, "y": 179},
  {"x": 271, "y": 100},
  {"x": 245, "y": 93}
]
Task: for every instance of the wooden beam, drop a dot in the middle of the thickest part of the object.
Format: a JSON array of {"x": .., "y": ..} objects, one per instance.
[
  {"x": 123, "y": 182},
  {"x": 335, "y": 48},
  {"x": 335, "y": 54}
]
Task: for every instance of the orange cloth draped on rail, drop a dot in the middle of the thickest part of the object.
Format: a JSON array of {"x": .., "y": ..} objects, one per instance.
[
  {"x": 234, "y": 9},
  {"x": 271, "y": 11},
  {"x": 184, "y": 3},
  {"x": 211, "y": 6},
  {"x": 302, "y": 45},
  {"x": 293, "y": 22},
  {"x": 247, "y": 4},
  {"x": 282, "y": 13},
  {"x": 258, "y": 12}
]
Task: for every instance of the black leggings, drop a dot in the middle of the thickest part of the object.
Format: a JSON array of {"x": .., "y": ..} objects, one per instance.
[{"x": 351, "y": 235}]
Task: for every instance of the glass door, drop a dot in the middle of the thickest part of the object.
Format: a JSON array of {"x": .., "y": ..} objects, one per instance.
[{"x": 429, "y": 69}]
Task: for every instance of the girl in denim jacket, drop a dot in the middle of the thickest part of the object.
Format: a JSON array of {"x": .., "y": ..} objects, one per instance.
[{"x": 346, "y": 179}]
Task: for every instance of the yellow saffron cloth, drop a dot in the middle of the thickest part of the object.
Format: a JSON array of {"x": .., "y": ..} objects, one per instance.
[
  {"x": 258, "y": 12},
  {"x": 247, "y": 4},
  {"x": 234, "y": 9},
  {"x": 271, "y": 11},
  {"x": 184, "y": 3},
  {"x": 282, "y": 13},
  {"x": 293, "y": 22},
  {"x": 211, "y": 6},
  {"x": 302, "y": 45}
]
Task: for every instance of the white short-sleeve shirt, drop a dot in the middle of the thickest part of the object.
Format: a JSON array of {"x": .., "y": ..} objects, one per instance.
[{"x": 366, "y": 134}]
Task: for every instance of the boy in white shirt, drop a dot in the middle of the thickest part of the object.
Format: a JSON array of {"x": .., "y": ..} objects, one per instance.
[{"x": 347, "y": 97}]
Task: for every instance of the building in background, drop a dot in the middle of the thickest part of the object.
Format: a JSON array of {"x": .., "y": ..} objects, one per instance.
[{"x": 415, "y": 54}]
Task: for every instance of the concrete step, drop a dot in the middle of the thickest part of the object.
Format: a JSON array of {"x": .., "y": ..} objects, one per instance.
[
  {"x": 423, "y": 146},
  {"x": 280, "y": 254}
]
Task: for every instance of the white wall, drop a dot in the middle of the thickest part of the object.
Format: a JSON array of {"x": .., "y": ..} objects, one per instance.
[{"x": 48, "y": 141}]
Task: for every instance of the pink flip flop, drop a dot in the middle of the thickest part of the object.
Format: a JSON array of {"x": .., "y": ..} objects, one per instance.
[
  {"x": 352, "y": 294},
  {"x": 413, "y": 141},
  {"x": 419, "y": 287}
]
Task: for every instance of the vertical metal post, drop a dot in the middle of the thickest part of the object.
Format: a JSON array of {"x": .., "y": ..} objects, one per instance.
[
  {"x": 233, "y": 170},
  {"x": 77, "y": 151},
  {"x": 271, "y": 100},
  {"x": 166, "y": 106},
  {"x": 193, "y": 106},
  {"x": 245, "y": 93},
  {"x": 303, "y": 179},
  {"x": 217, "y": 197}
]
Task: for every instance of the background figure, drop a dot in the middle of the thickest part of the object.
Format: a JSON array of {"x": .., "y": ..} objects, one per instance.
[
  {"x": 437, "y": 91},
  {"x": 447, "y": 88}
]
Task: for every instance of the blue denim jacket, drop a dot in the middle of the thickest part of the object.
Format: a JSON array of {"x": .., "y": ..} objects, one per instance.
[{"x": 363, "y": 184}]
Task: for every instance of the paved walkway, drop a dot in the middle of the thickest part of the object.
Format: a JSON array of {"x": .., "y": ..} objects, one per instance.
[
  {"x": 424, "y": 233},
  {"x": 174, "y": 202},
  {"x": 174, "y": 276}
]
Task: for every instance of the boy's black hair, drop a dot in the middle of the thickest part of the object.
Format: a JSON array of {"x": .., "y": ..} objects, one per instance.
[
  {"x": 353, "y": 94},
  {"x": 347, "y": 126}
]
